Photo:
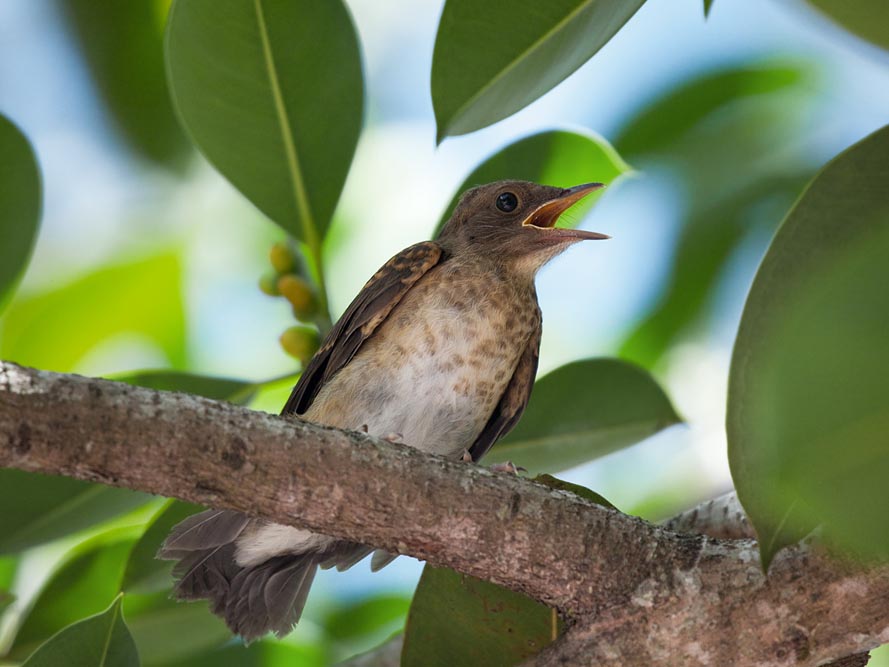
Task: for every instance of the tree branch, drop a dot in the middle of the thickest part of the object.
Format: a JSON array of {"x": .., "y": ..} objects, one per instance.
[{"x": 636, "y": 593}]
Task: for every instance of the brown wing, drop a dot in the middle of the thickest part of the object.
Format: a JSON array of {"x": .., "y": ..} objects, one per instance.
[
  {"x": 372, "y": 305},
  {"x": 512, "y": 404}
]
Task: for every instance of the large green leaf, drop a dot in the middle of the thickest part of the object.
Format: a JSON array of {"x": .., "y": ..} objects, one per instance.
[
  {"x": 456, "y": 619},
  {"x": 86, "y": 581},
  {"x": 36, "y": 508},
  {"x": 584, "y": 410},
  {"x": 98, "y": 641},
  {"x": 869, "y": 19},
  {"x": 493, "y": 58},
  {"x": 217, "y": 388},
  {"x": 53, "y": 330},
  {"x": 808, "y": 407},
  {"x": 122, "y": 44},
  {"x": 167, "y": 630},
  {"x": 272, "y": 94},
  {"x": 144, "y": 573},
  {"x": 19, "y": 205},
  {"x": 555, "y": 157}
]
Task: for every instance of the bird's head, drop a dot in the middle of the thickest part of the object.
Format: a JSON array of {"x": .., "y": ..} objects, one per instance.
[{"x": 513, "y": 222}]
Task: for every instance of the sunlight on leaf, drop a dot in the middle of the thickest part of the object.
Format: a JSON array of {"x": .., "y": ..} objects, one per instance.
[{"x": 53, "y": 330}]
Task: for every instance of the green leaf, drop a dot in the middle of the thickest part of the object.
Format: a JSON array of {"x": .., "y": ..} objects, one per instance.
[
  {"x": 122, "y": 44},
  {"x": 808, "y": 408},
  {"x": 8, "y": 567},
  {"x": 259, "y": 654},
  {"x": 98, "y": 641},
  {"x": 456, "y": 619},
  {"x": 217, "y": 388},
  {"x": 55, "y": 329},
  {"x": 144, "y": 573},
  {"x": 584, "y": 410},
  {"x": 493, "y": 58},
  {"x": 167, "y": 630},
  {"x": 86, "y": 581},
  {"x": 672, "y": 115},
  {"x": 361, "y": 624},
  {"x": 272, "y": 94},
  {"x": 869, "y": 19},
  {"x": 6, "y": 599},
  {"x": 555, "y": 157},
  {"x": 576, "y": 489},
  {"x": 35, "y": 508},
  {"x": 20, "y": 199},
  {"x": 708, "y": 5}
]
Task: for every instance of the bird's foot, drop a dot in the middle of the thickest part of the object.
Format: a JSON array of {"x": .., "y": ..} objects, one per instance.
[
  {"x": 363, "y": 428},
  {"x": 466, "y": 457},
  {"x": 394, "y": 438},
  {"x": 507, "y": 466}
]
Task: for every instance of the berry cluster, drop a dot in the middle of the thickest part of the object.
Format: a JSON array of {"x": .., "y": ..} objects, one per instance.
[{"x": 288, "y": 279}]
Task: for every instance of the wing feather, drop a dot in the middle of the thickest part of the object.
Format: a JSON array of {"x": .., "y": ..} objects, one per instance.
[{"x": 369, "y": 309}]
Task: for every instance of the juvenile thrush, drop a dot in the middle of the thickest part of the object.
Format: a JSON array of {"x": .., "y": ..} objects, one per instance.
[{"x": 440, "y": 346}]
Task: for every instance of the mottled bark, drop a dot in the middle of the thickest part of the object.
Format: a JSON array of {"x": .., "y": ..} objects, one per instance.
[{"x": 636, "y": 593}]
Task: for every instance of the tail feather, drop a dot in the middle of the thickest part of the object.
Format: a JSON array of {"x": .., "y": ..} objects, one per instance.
[
  {"x": 381, "y": 559},
  {"x": 286, "y": 594},
  {"x": 253, "y": 599},
  {"x": 211, "y": 528},
  {"x": 344, "y": 555}
]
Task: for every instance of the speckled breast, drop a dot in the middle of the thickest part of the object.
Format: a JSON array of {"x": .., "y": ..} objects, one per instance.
[{"x": 435, "y": 370}]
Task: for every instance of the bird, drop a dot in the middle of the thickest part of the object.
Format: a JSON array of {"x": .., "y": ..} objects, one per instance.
[{"x": 439, "y": 348}]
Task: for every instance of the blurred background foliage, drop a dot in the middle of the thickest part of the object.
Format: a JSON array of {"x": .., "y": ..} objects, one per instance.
[{"x": 146, "y": 265}]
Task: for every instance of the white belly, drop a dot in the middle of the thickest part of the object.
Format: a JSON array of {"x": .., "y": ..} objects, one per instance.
[{"x": 438, "y": 398}]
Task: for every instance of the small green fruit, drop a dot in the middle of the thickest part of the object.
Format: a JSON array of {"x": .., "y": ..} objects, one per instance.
[
  {"x": 300, "y": 342},
  {"x": 281, "y": 258},
  {"x": 300, "y": 294},
  {"x": 268, "y": 284}
]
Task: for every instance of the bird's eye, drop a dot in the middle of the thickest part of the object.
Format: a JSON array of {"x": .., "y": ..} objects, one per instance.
[{"x": 507, "y": 202}]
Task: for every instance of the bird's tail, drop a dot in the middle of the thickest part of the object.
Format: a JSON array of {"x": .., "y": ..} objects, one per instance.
[{"x": 254, "y": 599}]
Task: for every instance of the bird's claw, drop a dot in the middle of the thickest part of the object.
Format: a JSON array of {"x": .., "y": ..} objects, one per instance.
[
  {"x": 394, "y": 438},
  {"x": 466, "y": 457},
  {"x": 507, "y": 466}
]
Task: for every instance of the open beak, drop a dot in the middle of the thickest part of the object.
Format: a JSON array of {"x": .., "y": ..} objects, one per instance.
[{"x": 546, "y": 215}]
